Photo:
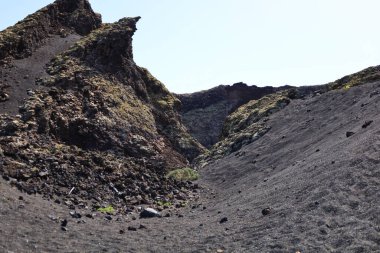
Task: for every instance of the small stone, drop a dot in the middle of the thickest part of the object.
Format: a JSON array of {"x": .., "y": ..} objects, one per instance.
[
  {"x": 349, "y": 134},
  {"x": 52, "y": 217},
  {"x": 64, "y": 228},
  {"x": 64, "y": 223},
  {"x": 75, "y": 215},
  {"x": 266, "y": 211},
  {"x": 43, "y": 173},
  {"x": 130, "y": 228},
  {"x": 30, "y": 92},
  {"x": 108, "y": 217},
  {"x": 4, "y": 97},
  {"x": 367, "y": 123},
  {"x": 223, "y": 220},
  {"x": 149, "y": 213},
  {"x": 90, "y": 215},
  {"x": 142, "y": 226},
  {"x": 20, "y": 198},
  {"x": 121, "y": 231}
]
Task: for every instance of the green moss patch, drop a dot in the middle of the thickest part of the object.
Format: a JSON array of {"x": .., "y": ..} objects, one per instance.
[
  {"x": 184, "y": 174},
  {"x": 107, "y": 209}
]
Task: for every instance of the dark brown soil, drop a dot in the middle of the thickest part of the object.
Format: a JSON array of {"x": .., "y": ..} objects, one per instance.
[{"x": 320, "y": 187}]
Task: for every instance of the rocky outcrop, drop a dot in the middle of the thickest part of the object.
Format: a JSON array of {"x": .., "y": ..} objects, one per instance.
[
  {"x": 101, "y": 71},
  {"x": 42, "y": 35},
  {"x": 249, "y": 122},
  {"x": 204, "y": 113},
  {"x": 102, "y": 126},
  {"x": 246, "y": 124},
  {"x": 60, "y": 18},
  {"x": 367, "y": 75}
]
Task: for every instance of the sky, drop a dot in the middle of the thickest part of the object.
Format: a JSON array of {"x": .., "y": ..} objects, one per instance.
[{"x": 198, "y": 44}]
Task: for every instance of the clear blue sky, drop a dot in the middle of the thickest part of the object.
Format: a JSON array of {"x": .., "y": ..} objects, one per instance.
[{"x": 194, "y": 45}]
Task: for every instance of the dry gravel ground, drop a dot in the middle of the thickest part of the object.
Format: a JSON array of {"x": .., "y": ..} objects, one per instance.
[{"x": 322, "y": 188}]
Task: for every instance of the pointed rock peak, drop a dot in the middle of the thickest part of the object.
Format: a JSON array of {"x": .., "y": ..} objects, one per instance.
[
  {"x": 59, "y": 18},
  {"x": 75, "y": 14},
  {"x": 109, "y": 47},
  {"x": 127, "y": 22}
]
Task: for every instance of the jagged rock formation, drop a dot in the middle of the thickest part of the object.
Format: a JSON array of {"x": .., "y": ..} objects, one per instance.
[
  {"x": 60, "y": 18},
  {"x": 101, "y": 125},
  {"x": 246, "y": 124},
  {"x": 28, "y": 46},
  {"x": 204, "y": 112}
]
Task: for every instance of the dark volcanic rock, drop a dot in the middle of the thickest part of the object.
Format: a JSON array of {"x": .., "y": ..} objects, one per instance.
[
  {"x": 130, "y": 228},
  {"x": 266, "y": 211},
  {"x": 59, "y": 18},
  {"x": 102, "y": 125},
  {"x": 64, "y": 223},
  {"x": 367, "y": 123},
  {"x": 204, "y": 112},
  {"x": 149, "y": 213},
  {"x": 223, "y": 220},
  {"x": 29, "y": 45}
]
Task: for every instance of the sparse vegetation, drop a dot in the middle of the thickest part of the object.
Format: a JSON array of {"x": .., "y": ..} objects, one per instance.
[
  {"x": 370, "y": 74},
  {"x": 183, "y": 174},
  {"x": 163, "y": 203},
  {"x": 246, "y": 125},
  {"x": 107, "y": 209}
]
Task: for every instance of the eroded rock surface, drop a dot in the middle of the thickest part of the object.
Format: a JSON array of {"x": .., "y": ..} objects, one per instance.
[
  {"x": 101, "y": 130},
  {"x": 204, "y": 112}
]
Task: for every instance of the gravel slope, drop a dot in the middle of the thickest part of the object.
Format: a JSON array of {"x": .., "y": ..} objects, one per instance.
[
  {"x": 322, "y": 188},
  {"x": 22, "y": 75}
]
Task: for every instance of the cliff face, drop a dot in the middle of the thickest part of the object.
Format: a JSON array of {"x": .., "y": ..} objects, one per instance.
[
  {"x": 246, "y": 124},
  {"x": 204, "y": 113},
  {"x": 100, "y": 125},
  {"x": 100, "y": 70}
]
